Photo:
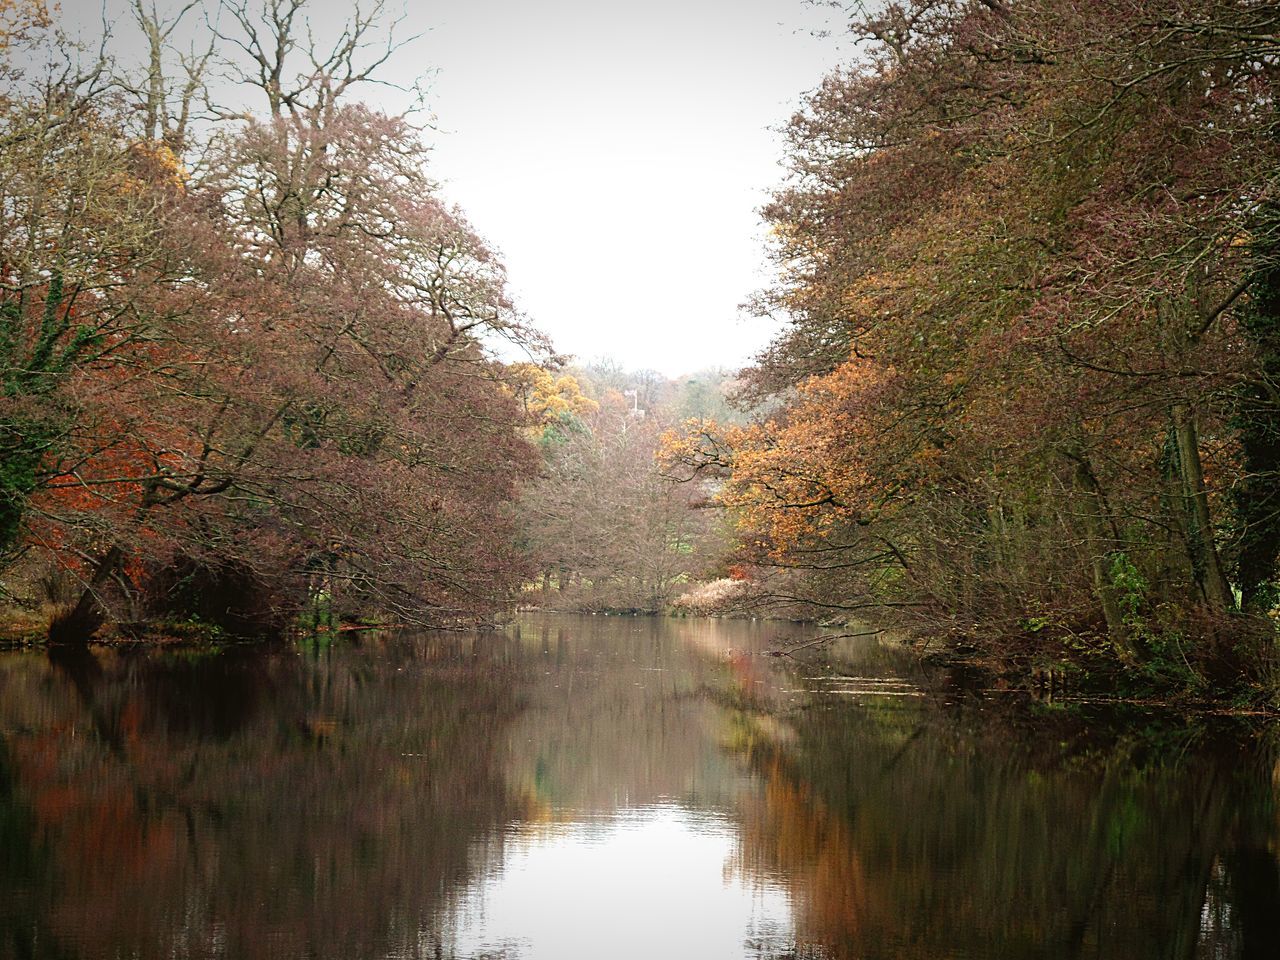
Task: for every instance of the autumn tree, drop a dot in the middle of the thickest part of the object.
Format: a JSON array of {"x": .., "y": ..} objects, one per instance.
[
  {"x": 290, "y": 391},
  {"x": 1017, "y": 260},
  {"x": 84, "y": 208}
]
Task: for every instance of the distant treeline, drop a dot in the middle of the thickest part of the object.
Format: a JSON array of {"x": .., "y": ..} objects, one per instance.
[{"x": 604, "y": 528}]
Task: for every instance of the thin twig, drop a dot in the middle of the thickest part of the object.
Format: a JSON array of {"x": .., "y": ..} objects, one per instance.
[{"x": 826, "y": 638}]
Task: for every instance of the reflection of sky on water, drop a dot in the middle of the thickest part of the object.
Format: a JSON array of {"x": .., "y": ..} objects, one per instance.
[{"x": 653, "y": 881}]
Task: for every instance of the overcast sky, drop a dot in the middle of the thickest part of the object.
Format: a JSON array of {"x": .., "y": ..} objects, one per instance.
[{"x": 616, "y": 153}]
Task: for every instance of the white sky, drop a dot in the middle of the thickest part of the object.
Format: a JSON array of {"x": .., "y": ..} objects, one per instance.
[{"x": 616, "y": 152}]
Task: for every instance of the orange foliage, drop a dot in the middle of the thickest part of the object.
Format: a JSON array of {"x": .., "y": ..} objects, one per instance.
[{"x": 805, "y": 474}]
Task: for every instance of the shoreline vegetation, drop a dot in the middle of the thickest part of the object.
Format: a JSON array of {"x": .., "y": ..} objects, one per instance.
[
  {"x": 257, "y": 375},
  {"x": 1025, "y": 402}
]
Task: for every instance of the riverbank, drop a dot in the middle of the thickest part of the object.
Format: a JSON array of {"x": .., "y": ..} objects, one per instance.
[
  {"x": 1054, "y": 666},
  {"x": 1079, "y": 669},
  {"x": 1045, "y": 667}
]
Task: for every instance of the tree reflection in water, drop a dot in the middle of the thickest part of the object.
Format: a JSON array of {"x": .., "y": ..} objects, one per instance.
[
  {"x": 932, "y": 833},
  {"x": 246, "y": 803},
  {"x": 605, "y": 787}
]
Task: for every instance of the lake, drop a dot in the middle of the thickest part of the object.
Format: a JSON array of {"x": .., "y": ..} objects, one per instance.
[{"x": 611, "y": 787}]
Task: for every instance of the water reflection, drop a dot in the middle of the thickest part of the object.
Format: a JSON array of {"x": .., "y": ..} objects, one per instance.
[
  {"x": 650, "y": 882},
  {"x": 588, "y": 787}
]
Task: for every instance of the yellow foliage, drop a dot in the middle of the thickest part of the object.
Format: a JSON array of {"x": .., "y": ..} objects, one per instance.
[
  {"x": 545, "y": 396},
  {"x": 19, "y": 17},
  {"x": 163, "y": 161}
]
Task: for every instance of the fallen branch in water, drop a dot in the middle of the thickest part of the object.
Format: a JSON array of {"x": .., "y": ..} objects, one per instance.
[{"x": 825, "y": 638}]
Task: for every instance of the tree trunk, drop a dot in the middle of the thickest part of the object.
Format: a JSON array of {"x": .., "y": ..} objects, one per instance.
[
  {"x": 81, "y": 622},
  {"x": 1175, "y": 558},
  {"x": 1204, "y": 552},
  {"x": 1095, "y": 521},
  {"x": 1257, "y": 420}
]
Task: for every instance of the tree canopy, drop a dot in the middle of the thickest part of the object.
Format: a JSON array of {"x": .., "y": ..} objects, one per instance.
[
  {"x": 1027, "y": 387},
  {"x": 246, "y": 360}
]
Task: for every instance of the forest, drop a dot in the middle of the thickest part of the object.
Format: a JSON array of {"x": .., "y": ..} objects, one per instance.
[
  {"x": 1026, "y": 400},
  {"x": 248, "y": 348},
  {"x": 1023, "y": 403}
]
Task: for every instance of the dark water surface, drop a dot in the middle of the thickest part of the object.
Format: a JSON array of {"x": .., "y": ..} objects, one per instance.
[{"x": 609, "y": 788}]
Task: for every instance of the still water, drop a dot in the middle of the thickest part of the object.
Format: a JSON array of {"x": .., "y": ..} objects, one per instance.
[{"x": 610, "y": 788}]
